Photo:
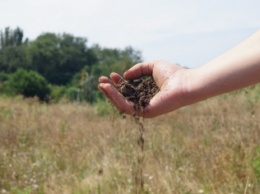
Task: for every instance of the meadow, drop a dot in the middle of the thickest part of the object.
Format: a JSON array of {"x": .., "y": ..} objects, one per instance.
[{"x": 212, "y": 147}]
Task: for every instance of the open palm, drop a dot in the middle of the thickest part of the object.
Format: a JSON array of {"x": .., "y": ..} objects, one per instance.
[{"x": 168, "y": 77}]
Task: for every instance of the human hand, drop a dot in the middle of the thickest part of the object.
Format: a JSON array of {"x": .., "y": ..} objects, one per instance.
[
  {"x": 170, "y": 78},
  {"x": 235, "y": 69}
]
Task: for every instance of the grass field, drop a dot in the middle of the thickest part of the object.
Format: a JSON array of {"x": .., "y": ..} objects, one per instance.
[{"x": 212, "y": 147}]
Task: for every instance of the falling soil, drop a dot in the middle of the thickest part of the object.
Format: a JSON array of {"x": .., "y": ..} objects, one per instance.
[{"x": 139, "y": 91}]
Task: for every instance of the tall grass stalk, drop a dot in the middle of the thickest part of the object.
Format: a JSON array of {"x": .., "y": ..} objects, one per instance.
[{"x": 209, "y": 147}]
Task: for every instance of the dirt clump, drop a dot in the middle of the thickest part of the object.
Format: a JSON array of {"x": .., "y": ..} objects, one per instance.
[{"x": 139, "y": 91}]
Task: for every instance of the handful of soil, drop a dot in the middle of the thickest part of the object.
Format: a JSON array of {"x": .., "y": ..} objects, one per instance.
[{"x": 139, "y": 91}]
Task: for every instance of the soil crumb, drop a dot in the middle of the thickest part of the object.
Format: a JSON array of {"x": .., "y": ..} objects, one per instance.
[{"x": 139, "y": 91}]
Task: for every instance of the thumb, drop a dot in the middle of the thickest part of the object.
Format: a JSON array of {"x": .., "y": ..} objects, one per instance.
[{"x": 139, "y": 70}]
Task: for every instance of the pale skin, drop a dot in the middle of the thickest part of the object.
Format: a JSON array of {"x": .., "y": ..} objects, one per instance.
[{"x": 237, "y": 68}]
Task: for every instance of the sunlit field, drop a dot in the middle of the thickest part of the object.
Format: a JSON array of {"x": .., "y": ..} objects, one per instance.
[{"x": 212, "y": 147}]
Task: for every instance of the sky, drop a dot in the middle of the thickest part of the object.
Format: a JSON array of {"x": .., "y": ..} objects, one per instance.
[{"x": 187, "y": 32}]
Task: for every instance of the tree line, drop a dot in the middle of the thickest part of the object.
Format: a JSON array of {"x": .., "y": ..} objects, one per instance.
[{"x": 56, "y": 66}]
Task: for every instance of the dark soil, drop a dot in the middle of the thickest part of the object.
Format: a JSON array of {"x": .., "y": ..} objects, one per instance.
[{"x": 138, "y": 91}]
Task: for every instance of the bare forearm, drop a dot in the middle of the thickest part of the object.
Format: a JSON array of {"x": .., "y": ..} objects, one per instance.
[{"x": 237, "y": 68}]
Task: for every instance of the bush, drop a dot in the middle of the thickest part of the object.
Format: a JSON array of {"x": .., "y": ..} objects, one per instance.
[
  {"x": 3, "y": 77},
  {"x": 74, "y": 94},
  {"x": 57, "y": 93},
  {"x": 28, "y": 84}
]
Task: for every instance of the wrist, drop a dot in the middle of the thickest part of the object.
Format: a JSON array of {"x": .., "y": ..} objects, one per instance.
[{"x": 194, "y": 87}]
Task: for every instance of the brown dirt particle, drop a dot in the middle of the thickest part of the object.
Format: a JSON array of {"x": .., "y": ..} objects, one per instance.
[{"x": 139, "y": 91}]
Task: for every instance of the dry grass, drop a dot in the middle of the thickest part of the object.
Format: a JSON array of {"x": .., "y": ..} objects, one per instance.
[{"x": 211, "y": 147}]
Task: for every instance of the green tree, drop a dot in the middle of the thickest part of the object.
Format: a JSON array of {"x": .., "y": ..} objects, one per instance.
[
  {"x": 59, "y": 57},
  {"x": 11, "y": 37},
  {"x": 116, "y": 59},
  {"x": 113, "y": 60},
  {"x": 13, "y": 58},
  {"x": 28, "y": 84},
  {"x": 63, "y": 60},
  {"x": 45, "y": 54},
  {"x": 13, "y": 50}
]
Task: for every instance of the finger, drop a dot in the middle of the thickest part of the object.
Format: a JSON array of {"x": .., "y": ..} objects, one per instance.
[
  {"x": 116, "y": 98},
  {"x": 139, "y": 70},
  {"x": 104, "y": 79},
  {"x": 116, "y": 78},
  {"x": 101, "y": 88}
]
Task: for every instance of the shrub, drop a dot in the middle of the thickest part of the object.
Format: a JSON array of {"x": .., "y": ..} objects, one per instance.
[
  {"x": 28, "y": 84},
  {"x": 3, "y": 77},
  {"x": 74, "y": 94},
  {"x": 57, "y": 93}
]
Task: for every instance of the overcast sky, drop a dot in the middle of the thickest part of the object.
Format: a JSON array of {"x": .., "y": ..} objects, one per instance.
[{"x": 187, "y": 32}]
